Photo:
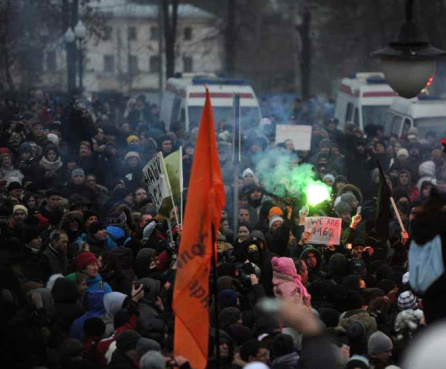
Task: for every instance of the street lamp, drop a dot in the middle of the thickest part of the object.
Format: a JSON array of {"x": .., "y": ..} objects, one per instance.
[
  {"x": 79, "y": 32},
  {"x": 409, "y": 62}
]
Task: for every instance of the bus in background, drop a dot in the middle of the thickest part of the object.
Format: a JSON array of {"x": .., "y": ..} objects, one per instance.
[
  {"x": 184, "y": 97},
  {"x": 363, "y": 99}
]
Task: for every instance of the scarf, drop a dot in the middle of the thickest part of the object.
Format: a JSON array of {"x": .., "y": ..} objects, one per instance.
[{"x": 50, "y": 165}]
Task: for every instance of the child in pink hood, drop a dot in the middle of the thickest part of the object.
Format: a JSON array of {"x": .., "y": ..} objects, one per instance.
[{"x": 286, "y": 281}]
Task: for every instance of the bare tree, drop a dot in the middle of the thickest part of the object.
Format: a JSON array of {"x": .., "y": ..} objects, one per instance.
[{"x": 170, "y": 18}]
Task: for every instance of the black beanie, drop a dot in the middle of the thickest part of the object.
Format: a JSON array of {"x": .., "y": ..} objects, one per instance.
[
  {"x": 127, "y": 340},
  {"x": 94, "y": 327},
  {"x": 95, "y": 227}
]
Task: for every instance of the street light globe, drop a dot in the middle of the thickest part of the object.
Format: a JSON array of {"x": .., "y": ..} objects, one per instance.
[
  {"x": 80, "y": 30},
  {"x": 409, "y": 62},
  {"x": 69, "y": 36},
  {"x": 408, "y": 77}
]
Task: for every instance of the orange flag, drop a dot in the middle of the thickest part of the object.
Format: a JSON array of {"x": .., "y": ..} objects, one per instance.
[{"x": 205, "y": 201}]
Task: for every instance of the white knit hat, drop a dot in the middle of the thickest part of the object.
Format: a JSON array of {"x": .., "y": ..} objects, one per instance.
[{"x": 273, "y": 219}]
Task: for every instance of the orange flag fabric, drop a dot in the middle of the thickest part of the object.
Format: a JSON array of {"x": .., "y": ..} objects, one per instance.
[{"x": 205, "y": 201}]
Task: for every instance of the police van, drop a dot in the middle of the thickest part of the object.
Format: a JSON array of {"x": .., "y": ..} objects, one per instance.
[
  {"x": 363, "y": 99},
  {"x": 427, "y": 113},
  {"x": 184, "y": 98}
]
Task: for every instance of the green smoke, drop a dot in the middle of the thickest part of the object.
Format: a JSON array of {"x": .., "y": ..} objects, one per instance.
[{"x": 280, "y": 174}]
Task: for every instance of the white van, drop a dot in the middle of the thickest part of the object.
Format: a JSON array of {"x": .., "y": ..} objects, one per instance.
[
  {"x": 426, "y": 113},
  {"x": 184, "y": 98},
  {"x": 363, "y": 99}
]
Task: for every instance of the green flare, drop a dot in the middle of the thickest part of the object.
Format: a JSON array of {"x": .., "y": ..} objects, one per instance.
[{"x": 317, "y": 192}]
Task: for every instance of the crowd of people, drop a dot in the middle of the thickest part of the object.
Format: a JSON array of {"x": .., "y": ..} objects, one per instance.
[{"x": 88, "y": 265}]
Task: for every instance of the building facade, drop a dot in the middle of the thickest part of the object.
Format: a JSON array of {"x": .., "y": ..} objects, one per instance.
[{"x": 125, "y": 58}]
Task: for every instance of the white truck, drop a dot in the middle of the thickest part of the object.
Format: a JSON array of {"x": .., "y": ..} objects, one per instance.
[
  {"x": 426, "y": 113},
  {"x": 184, "y": 97},
  {"x": 363, "y": 99}
]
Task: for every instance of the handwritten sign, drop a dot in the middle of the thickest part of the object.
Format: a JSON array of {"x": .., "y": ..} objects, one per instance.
[
  {"x": 299, "y": 135},
  {"x": 156, "y": 180},
  {"x": 324, "y": 230}
]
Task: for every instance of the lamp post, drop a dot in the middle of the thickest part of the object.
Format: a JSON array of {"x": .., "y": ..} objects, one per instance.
[
  {"x": 409, "y": 62},
  {"x": 69, "y": 38},
  {"x": 80, "y": 32}
]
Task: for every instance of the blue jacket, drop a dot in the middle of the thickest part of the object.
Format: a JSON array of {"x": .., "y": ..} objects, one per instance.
[
  {"x": 96, "y": 309},
  {"x": 110, "y": 242},
  {"x": 96, "y": 284}
]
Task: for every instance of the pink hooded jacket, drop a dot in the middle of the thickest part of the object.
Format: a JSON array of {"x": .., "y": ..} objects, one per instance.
[{"x": 286, "y": 281}]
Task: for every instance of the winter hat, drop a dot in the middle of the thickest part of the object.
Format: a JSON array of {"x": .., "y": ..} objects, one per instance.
[
  {"x": 356, "y": 332},
  {"x": 329, "y": 316},
  {"x": 358, "y": 361},
  {"x": 94, "y": 327},
  {"x": 20, "y": 207},
  {"x": 325, "y": 143},
  {"x": 427, "y": 169},
  {"x": 53, "y": 138},
  {"x": 89, "y": 214},
  {"x": 274, "y": 219},
  {"x": 341, "y": 178},
  {"x": 77, "y": 172},
  {"x": 227, "y": 298},
  {"x": 379, "y": 343},
  {"x": 228, "y": 316},
  {"x": 84, "y": 259},
  {"x": 342, "y": 207},
  {"x": 26, "y": 148},
  {"x": 275, "y": 211},
  {"x": 152, "y": 360},
  {"x": 52, "y": 280},
  {"x": 96, "y": 227},
  {"x": 225, "y": 283},
  {"x": 146, "y": 344},
  {"x": 407, "y": 300},
  {"x": 132, "y": 138},
  {"x": 127, "y": 340},
  {"x": 247, "y": 171},
  {"x": 14, "y": 186},
  {"x": 348, "y": 197},
  {"x": 116, "y": 232},
  {"x": 329, "y": 176},
  {"x": 402, "y": 154},
  {"x": 30, "y": 234},
  {"x": 132, "y": 154}
]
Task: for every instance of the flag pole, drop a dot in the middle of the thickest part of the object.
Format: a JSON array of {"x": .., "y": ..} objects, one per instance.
[
  {"x": 181, "y": 186},
  {"x": 397, "y": 213},
  {"x": 215, "y": 279},
  {"x": 236, "y": 156}
]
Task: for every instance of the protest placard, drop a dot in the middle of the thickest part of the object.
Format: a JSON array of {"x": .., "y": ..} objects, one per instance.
[
  {"x": 300, "y": 135},
  {"x": 157, "y": 184},
  {"x": 324, "y": 230}
]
